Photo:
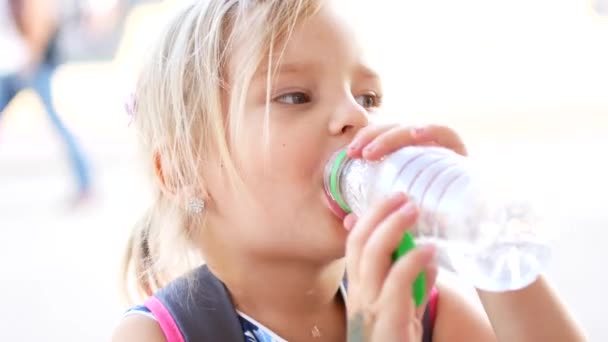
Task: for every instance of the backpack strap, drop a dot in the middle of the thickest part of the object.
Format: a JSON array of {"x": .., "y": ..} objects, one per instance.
[
  {"x": 196, "y": 308},
  {"x": 430, "y": 313}
]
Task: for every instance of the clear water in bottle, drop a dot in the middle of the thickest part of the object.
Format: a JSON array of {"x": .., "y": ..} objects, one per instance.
[{"x": 491, "y": 240}]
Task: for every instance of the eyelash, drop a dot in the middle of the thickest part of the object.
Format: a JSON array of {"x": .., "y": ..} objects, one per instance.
[
  {"x": 304, "y": 98},
  {"x": 280, "y": 98},
  {"x": 377, "y": 100}
]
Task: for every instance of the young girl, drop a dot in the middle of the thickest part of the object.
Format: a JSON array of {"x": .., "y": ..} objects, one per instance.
[{"x": 238, "y": 109}]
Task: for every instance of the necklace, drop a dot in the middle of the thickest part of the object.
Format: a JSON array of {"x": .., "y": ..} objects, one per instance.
[{"x": 316, "y": 333}]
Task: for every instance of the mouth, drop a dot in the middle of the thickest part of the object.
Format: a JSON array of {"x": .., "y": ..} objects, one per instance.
[{"x": 334, "y": 207}]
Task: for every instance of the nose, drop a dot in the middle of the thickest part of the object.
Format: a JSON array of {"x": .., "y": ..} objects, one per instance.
[{"x": 348, "y": 118}]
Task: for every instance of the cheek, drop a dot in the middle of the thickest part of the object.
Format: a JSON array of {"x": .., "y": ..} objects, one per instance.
[
  {"x": 286, "y": 158},
  {"x": 284, "y": 177},
  {"x": 282, "y": 166},
  {"x": 287, "y": 166},
  {"x": 299, "y": 160}
]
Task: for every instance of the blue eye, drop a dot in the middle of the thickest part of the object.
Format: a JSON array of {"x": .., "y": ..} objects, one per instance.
[
  {"x": 295, "y": 98},
  {"x": 369, "y": 100}
]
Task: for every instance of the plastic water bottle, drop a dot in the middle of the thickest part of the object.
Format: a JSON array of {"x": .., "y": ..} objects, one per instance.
[{"x": 490, "y": 240}]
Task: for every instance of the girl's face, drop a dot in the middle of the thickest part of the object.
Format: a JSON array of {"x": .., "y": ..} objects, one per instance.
[{"x": 322, "y": 95}]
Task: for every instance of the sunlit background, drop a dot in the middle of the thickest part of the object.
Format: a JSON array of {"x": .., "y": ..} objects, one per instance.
[{"x": 524, "y": 81}]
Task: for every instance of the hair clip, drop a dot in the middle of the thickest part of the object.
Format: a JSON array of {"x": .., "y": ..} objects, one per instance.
[{"x": 130, "y": 107}]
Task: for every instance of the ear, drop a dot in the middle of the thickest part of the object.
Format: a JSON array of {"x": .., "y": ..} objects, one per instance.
[{"x": 168, "y": 191}]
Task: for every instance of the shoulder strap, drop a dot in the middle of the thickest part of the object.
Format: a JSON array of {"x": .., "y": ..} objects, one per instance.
[
  {"x": 196, "y": 308},
  {"x": 428, "y": 320}
]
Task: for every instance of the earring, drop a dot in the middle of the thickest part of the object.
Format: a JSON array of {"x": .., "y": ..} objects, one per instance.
[{"x": 195, "y": 206}]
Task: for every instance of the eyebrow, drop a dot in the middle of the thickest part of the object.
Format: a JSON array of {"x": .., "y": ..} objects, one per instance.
[
  {"x": 300, "y": 67},
  {"x": 288, "y": 68},
  {"x": 366, "y": 72}
]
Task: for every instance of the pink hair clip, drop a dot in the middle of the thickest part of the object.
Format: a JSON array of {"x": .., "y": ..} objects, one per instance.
[{"x": 130, "y": 105}]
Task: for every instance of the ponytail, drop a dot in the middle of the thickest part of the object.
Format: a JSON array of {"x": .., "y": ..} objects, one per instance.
[
  {"x": 158, "y": 251},
  {"x": 139, "y": 276}
]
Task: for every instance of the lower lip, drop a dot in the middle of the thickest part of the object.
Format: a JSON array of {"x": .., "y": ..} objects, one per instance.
[{"x": 335, "y": 207}]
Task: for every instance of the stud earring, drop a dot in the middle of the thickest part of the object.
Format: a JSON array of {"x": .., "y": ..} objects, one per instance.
[{"x": 195, "y": 206}]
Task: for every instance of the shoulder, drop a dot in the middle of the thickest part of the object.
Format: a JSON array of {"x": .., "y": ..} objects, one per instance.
[
  {"x": 153, "y": 321},
  {"x": 138, "y": 328},
  {"x": 459, "y": 318}
]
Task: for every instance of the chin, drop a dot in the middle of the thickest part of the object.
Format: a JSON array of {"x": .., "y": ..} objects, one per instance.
[
  {"x": 326, "y": 254},
  {"x": 336, "y": 235},
  {"x": 333, "y": 244}
]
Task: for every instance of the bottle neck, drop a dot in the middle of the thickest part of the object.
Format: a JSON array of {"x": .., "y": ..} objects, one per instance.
[{"x": 332, "y": 178}]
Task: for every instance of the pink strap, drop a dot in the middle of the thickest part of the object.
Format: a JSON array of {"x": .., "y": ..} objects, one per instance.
[
  {"x": 433, "y": 301},
  {"x": 165, "y": 320}
]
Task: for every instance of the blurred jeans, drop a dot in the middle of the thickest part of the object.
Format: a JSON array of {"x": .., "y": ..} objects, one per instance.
[{"x": 40, "y": 82}]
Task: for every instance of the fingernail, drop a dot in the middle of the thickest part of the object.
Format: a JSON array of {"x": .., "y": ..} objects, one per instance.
[
  {"x": 369, "y": 148},
  {"x": 398, "y": 196},
  {"x": 409, "y": 209},
  {"x": 417, "y": 132},
  {"x": 349, "y": 222}
]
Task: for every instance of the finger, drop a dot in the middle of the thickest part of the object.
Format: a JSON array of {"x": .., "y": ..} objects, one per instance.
[
  {"x": 388, "y": 142},
  {"x": 376, "y": 258},
  {"x": 363, "y": 228},
  {"x": 350, "y": 221},
  {"x": 393, "y": 325},
  {"x": 442, "y": 136},
  {"x": 398, "y": 287},
  {"x": 364, "y": 137},
  {"x": 430, "y": 277}
]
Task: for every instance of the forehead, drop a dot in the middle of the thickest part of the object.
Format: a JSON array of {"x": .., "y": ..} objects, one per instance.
[{"x": 326, "y": 39}]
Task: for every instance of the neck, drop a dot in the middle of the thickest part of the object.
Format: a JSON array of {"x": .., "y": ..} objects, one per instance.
[
  {"x": 292, "y": 287},
  {"x": 304, "y": 297}
]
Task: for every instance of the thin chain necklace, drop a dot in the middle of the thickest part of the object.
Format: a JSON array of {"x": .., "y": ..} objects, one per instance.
[{"x": 316, "y": 333}]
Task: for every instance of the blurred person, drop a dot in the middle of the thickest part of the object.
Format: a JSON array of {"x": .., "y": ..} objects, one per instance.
[
  {"x": 28, "y": 39},
  {"x": 102, "y": 16},
  {"x": 238, "y": 107}
]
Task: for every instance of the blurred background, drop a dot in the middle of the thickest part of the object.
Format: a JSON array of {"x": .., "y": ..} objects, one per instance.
[{"x": 524, "y": 81}]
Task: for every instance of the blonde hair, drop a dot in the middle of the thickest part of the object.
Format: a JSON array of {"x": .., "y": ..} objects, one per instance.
[{"x": 182, "y": 115}]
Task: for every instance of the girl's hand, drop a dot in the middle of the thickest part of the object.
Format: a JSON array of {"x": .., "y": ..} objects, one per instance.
[
  {"x": 380, "y": 304},
  {"x": 376, "y": 141}
]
